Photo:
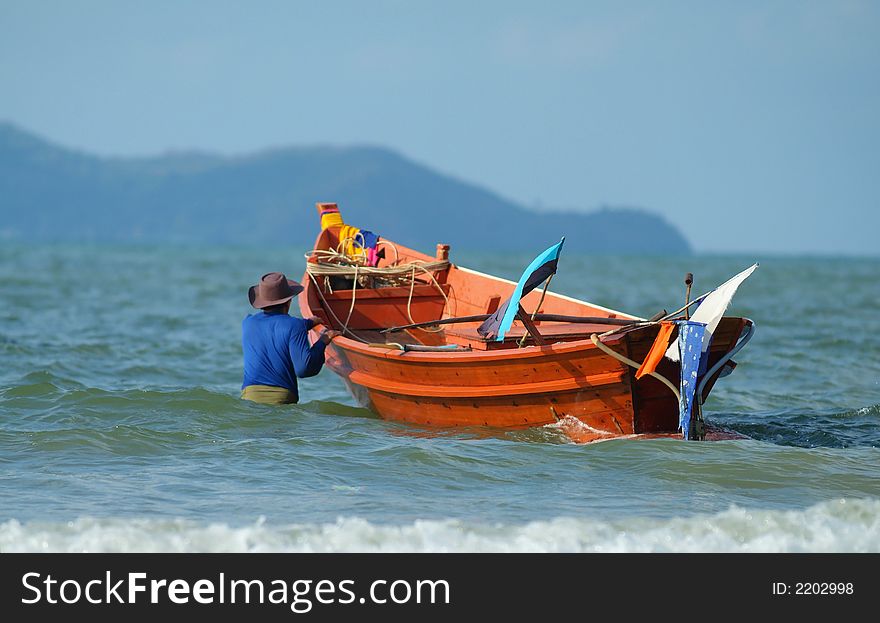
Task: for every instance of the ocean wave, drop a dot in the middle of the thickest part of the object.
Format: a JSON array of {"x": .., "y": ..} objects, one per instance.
[
  {"x": 829, "y": 428},
  {"x": 62, "y": 390},
  {"x": 843, "y": 525}
]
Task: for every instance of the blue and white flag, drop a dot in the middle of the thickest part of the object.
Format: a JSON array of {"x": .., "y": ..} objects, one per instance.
[
  {"x": 498, "y": 324},
  {"x": 690, "y": 347}
]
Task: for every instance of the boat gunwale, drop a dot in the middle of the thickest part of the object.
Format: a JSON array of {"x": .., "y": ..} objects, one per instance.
[
  {"x": 458, "y": 356},
  {"x": 564, "y": 297},
  {"x": 380, "y": 350}
]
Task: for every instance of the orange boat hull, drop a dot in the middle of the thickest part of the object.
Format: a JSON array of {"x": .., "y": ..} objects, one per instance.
[{"x": 489, "y": 384}]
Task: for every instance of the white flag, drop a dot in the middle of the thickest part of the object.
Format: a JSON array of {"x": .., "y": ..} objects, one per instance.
[{"x": 712, "y": 308}]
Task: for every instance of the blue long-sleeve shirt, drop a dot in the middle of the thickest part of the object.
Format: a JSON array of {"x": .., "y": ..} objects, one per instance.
[{"x": 276, "y": 350}]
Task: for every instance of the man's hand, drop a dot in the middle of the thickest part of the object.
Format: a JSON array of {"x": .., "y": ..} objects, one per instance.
[
  {"x": 315, "y": 321},
  {"x": 328, "y": 335}
]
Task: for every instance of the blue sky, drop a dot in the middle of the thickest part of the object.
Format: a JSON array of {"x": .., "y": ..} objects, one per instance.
[{"x": 754, "y": 126}]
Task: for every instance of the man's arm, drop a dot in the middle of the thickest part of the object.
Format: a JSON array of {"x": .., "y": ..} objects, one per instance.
[{"x": 308, "y": 360}]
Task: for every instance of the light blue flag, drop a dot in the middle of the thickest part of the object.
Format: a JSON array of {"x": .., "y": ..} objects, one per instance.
[
  {"x": 496, "y": 326},
  {"x": 690, "y": 344}
]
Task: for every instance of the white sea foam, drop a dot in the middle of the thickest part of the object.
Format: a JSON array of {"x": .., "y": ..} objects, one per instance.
[{"x": 834, "y": 526}]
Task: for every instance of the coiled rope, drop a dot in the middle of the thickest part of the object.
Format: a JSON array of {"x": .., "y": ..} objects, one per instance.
[{"x": 333, "y": 263}]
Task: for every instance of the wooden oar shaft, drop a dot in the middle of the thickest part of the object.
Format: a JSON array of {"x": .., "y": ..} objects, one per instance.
[
  {"x": 585, "y": 319},
  {"x": 431, "y": 323},
  {"x": 541, "y": 317}
]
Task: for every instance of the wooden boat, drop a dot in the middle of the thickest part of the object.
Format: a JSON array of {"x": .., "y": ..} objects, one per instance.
[{"x": 450, "y": 376}]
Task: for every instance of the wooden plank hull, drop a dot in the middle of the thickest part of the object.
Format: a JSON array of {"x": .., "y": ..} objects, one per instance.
[
  {"x": 458, "y": 391},
  {"x": 470, "y": 389},
  {"x": 497, "y": 385}
]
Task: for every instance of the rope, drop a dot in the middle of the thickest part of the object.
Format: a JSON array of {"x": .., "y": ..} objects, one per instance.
[
  {"x": 412, "y": 287},
  {"x": 611, "y": 353},
  {"x": 338, "y": 264},
  {"x": 393, "y": 246},
  {"x": 330, "y": 263},
  {"x": 355, "y": 243},
  {"x": 345, "y": 328},
  {"x": 439, "y": 289},
  {"x": 353, "y": 296}
]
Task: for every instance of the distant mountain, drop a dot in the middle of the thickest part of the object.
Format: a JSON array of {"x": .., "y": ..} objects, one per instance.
[{"x": 52, "y": 193}]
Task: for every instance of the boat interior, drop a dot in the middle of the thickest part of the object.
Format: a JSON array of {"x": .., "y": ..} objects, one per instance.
[{"x": 407, "y": 287}]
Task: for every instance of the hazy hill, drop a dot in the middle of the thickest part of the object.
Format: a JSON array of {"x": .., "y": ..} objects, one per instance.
[{"x": 49, "y": 192}]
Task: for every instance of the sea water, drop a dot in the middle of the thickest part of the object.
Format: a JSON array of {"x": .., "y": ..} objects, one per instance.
[{"x": 121, "y": 428}]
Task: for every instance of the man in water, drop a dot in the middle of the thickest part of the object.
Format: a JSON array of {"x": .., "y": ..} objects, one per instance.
[{"x": 276, "y": 345}]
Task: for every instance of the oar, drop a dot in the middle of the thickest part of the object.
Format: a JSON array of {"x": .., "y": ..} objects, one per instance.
[
  {"x": 543, "y": 317},
  {"x": 430, "y": 323}
]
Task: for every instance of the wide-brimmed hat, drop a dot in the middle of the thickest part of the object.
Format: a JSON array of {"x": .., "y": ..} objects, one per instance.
[{"x": 273, "y": 289}]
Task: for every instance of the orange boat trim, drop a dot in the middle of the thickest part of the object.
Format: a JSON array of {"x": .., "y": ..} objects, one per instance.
[
  {"x": 457, "y": 357},
  {"x": 485, "y": 391}
]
